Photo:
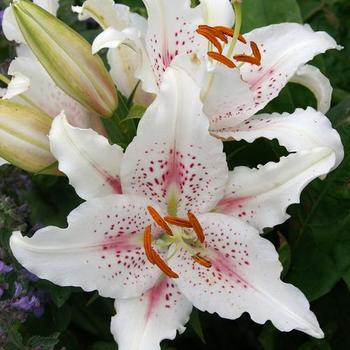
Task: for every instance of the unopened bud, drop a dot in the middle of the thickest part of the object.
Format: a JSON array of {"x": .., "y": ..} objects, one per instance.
[{"x": 23, "y": 137}]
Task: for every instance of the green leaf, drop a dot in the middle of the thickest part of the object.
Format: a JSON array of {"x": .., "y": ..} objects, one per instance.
[
  {"x": 285, "y": 253},
  {"x": 196, "y": 325},
  {"x": 346, "y": 278},
  {"x": 319, "y": 231},
  {"x": 44, "y": 343},
  {"x": 104, "y": 346},
  {"x": 59, "y": 295},
  {"x": 260, "y": 13},
  {"x": 15, "y": 337}
]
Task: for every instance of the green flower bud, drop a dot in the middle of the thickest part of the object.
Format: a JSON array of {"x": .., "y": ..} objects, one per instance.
[
  {"x": 67, "y": 57},
  {"x": 23, "y": 137}
]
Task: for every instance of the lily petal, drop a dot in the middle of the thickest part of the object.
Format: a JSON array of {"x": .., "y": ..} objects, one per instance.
[
  {"x": 142, "y": 323},
  {"x": 302, "y": 130},
  {"x": 100, "y": 250},
  {"x": 223, "y": 92},
  {"x": 284, "y": 49},
  {"x": 261, "y": 196},
  {"x": 171, "y": 32},
  {"x": 217, "y": 13},
  {"x": 123, "y": 60},
  {"x": 10, "y": 27},
  {"x": 18, "y": 84},
  {"x": 87, "y": 158},
  {"x": 177, "y": 164},
  {"x": 244, "y": 277},
  {"x": 312, "y": 78},
  {"x": 106, "y": 13}
]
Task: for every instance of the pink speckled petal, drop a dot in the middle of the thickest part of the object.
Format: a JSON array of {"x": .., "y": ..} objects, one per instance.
[
  {"x": 171, "y": 32},
  {"x": 284, "y": 49},
  {"x": 91, "y": 163},
  {"x": 101, "y": 249},
  {"x": 261, "y": 196},
  {"x": 244, "y": 277},
  {"x": 173, "y": 160},
  {"x": 142, "y": 323}
]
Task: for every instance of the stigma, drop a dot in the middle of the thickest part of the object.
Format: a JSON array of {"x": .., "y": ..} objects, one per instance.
[{"x": 186, "y": 233}]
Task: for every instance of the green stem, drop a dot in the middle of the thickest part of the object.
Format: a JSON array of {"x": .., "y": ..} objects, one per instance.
[{"x": 238, "y": 12}]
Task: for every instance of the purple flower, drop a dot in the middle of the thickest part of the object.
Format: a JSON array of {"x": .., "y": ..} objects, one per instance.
[
  {"x": 27, "y": 303},
  {"x": 1, "y": 18},
  {"x": 18, "y": 290},
  {"x": 5, "y": 268}
]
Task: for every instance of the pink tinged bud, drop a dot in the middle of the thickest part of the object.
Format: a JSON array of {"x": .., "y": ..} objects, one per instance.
[
  {"x": 23, "y": 137},
  {"x": 67, "y": 57}
]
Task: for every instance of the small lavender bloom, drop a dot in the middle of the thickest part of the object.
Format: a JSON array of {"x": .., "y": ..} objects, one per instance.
[
  {"x": 5, "y": 268},
  {"x": 27, "y": 303},
  {"x": 18, "y": 290}
]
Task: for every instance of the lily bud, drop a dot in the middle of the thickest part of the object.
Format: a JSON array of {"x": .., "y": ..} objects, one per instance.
[
  {"x": 23, "y": 137},
  {"x": 67, "y": 57}
]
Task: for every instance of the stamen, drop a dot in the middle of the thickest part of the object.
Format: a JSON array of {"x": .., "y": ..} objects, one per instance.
[
  {"x": 173, "y": 220},
  {"x": 247, "y": 59},
  {"x": 159, "y": 220},
  {"x": 254, "y": 59},
  {"x": 222, "y": 59},
  {"x": 256, "y": 51},
  {"x": 211, "y": 38},
  {"x": 202, "y": 261},
  {"x": 163, "y": 266},
  {"x": 196, "y": 226},
  {"x": 147, "y": 237},
  {"x": 212, "y": 30},
  {"x": 230, "y": 32}
]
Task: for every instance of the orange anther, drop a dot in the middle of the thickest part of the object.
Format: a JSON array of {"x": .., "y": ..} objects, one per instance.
[
  {"x": 202, "y": 261},
  {"x": 196, "y": 226},
  {"x": 159, "y": 220},
  {"x": 247, "y": 59},
  {"x": 212, "y": 30},
  {"x": 210, "y": 37},
  {"x": 222, "y": 59},
  {"x": 230, "y": 32},
  {"x": 173, "y": 220},
  {"x": 147, "y": 237},
  {"x": 255, "y": 50},
  {"x": 163, "y": 266}
]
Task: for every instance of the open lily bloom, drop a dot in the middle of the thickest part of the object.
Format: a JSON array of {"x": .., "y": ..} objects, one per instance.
[
  {"x": 174, "y": 30},
  {"x": 157, "y": 231},
  {"x": 238, "y": 75},
  {"x": 32, "y": 85}
]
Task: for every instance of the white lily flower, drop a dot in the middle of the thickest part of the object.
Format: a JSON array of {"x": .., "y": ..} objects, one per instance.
[
  {"x": 172, "y": 30},
  {"x": 32, "y": 85},
  {"x": 158, "y": 231},
  {"x": 235, "y": 84}
]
